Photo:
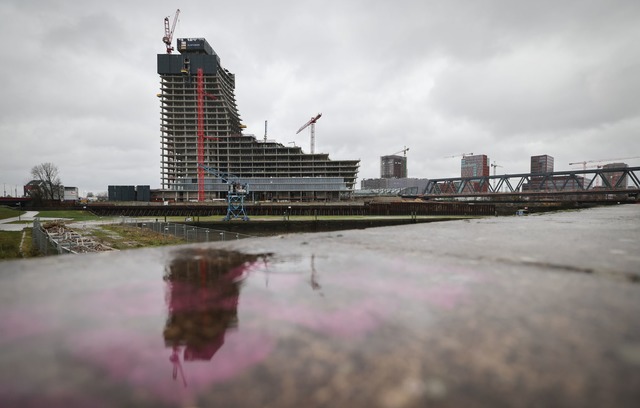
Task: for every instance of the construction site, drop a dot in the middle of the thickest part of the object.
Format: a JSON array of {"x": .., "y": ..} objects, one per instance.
[
  {"x": 204, "y": 152},
  {"x": 210, "y": 167}
]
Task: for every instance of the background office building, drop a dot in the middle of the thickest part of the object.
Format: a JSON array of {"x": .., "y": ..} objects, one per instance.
[
  {"x": 616, "y": 179},
  {"x": 541, "y": 164},
  {"x": 474, "y": 166}
]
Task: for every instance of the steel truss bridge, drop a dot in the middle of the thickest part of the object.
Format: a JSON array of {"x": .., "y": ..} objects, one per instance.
[{"x": 594, "y": 185}]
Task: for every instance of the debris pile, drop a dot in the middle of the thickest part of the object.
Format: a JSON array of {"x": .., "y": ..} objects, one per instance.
[{"x": 70, "y": 240}]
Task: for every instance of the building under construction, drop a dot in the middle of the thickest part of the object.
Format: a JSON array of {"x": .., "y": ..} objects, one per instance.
[
  {"x": 201, "y": 130},
  {"x": 393, "y": 167}
]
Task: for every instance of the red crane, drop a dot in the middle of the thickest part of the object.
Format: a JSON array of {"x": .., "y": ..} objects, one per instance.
[
  {"x": 312, "y": 123},
  {"x": 200, "y": 95},
  {"x": 168, "y": 34}
]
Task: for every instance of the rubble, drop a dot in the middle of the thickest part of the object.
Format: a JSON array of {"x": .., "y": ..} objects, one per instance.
[{"x": 71, "y": 240}]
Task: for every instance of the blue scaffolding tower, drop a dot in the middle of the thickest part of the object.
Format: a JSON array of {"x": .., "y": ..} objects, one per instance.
[{"x": 235, "y": 196}]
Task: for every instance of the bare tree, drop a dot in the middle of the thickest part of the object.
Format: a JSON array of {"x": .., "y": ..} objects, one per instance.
[{"x": 49, "y": 186}]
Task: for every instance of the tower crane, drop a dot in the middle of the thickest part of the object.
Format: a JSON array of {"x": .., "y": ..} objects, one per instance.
[
  {"x": 312, "y": 124},
  {"x": 584, "y": 163},
  {"x": 494, "y": 165},
  {"x": 459, "y": 155},
  {"x": 168, "y": 34},
  {"x": 403, "y": 151}
]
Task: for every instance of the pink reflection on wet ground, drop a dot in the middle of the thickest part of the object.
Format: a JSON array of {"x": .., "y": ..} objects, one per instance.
[
  {"x": 348, "y": 308},
  {"x": 145, "y": 363},
  {"x": 175, "y": 337},
  {"x": 353, "y": 321},
  {"x": 16, "y": 325},
  {"x": 200, "y": 345}
]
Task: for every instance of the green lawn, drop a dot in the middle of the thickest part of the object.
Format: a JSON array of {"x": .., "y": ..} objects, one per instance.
[
  {"x": 126, "y": 236},
  {"x": 10, "y": 244},
  {"x": 75, "y": 215},
  {"x": 6, "y": 212}
]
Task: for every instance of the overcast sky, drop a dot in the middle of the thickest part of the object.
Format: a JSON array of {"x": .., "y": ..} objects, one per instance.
[{"x": 509, "y": 79}]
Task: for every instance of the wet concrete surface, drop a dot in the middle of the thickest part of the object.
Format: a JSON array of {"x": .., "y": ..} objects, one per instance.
[
  {"x": 515, "y": 312},
  {"x": 26, "y": 218}
]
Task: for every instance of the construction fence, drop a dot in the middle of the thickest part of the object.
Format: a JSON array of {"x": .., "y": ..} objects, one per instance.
[
  {"x": 55, "y": 238},
  {"x": 187, "y": 232},
  {"x": 42, "y": 242}
]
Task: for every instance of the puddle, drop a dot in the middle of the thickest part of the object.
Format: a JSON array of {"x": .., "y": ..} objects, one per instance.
[{"x": 209, "y": 327}]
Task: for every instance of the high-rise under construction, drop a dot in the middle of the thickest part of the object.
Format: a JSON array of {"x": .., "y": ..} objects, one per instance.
[
  {"x": 393, "y": 166},
  {"x": 203, "y": 148}
]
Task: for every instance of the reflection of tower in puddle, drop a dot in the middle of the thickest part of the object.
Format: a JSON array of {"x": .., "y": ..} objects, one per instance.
[
  {"x": 202, "y": 293},
  {"x": 315, "y": 285}
]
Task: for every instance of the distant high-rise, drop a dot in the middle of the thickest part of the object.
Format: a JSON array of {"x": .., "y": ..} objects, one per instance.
[
  {"x": 541, "y": 164},
  {"x": 474, "y": 166},
  {"x": 393, "y": 167},
  {"x": 616, "y": 179}
]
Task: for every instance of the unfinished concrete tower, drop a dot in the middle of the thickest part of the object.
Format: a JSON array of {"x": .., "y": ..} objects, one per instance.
[
  {"x": 197, "y": 108},
  {"x": 200, "y": 127}
]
